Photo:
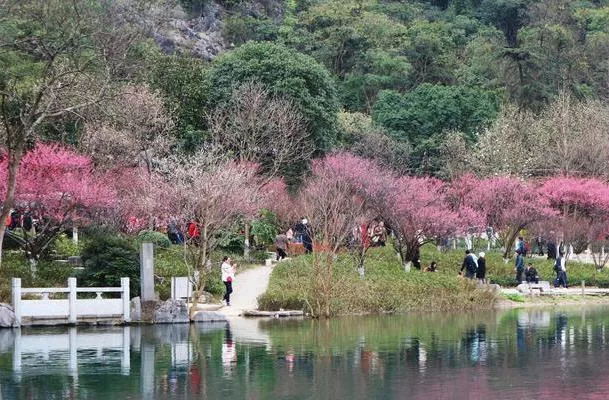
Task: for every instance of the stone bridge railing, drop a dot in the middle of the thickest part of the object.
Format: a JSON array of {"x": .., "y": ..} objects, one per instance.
[{"x": 62, "y": 305}]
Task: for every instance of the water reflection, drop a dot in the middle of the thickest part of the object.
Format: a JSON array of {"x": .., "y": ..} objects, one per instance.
[{"x": 513, "y": 354}]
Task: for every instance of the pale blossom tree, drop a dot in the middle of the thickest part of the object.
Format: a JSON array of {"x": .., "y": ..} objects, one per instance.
[
  {"x": 134, "y": 130},
  {"x": 338, "y": 197},
  {"x": 257, "y": 127},
  {"x": 212, "y": 194}
]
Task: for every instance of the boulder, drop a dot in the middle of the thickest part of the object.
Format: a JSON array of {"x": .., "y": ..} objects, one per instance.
[
  {"x": 7, "y": 316},
  {"x": 171, "y": 312},
  {"x": 135, "y": 309},
  {"x": 206, "y": 298},
  {"x": 209, "y": 316}
]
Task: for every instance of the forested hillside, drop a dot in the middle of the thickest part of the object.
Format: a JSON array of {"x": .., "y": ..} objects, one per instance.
[{"x": 435, "y": 87}]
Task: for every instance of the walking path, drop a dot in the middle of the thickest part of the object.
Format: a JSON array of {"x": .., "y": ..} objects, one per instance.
[{"x": 247, "y": 286}]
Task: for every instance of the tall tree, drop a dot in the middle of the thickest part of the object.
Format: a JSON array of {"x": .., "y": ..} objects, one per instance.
[
  {"x": 57, "y": 59},
  {"x": 283, "y": 72}
]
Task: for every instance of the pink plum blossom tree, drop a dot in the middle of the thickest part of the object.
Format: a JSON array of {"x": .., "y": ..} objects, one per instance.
[
  {"x": 582, "y": 211},
  {"x": 60, "y": 188}
]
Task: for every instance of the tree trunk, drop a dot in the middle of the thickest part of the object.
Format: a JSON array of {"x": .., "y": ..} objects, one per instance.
[
  {"x": 246, "y": 242},
  {"x": 14, "y": 160}
]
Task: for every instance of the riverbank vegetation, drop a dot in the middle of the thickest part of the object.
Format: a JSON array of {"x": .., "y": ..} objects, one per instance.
[{"x": 385, "y": 288}]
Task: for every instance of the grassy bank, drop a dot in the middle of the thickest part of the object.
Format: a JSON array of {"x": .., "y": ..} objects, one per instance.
[
  {"x": 503, "y": 273},
  {"x": 386, "y": 288}
]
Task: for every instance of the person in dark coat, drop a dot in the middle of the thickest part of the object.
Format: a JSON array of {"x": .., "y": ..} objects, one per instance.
[
  {"x": 530, "y": 274},
  {"x": 519, "y": 264},
  {"x": 416, "y": 258},
  {"x": 307, "y": 240},
  {"x": 481, "y": 270},
  {"x": 469, "y": 265},
  {"x": 551, "y": 247}
]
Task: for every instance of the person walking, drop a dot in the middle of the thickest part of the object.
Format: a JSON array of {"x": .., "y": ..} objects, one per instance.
[
  {"x": 561, "y": 271},
  {"x": 281, "y": 243},
  {"x": 481, "y": 270},
  {"x": 228, "y": 276},
  {"x": 519, "y": 264},
  {"x": 469, "y": 265}
]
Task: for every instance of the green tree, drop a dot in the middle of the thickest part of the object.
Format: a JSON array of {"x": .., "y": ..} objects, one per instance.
[
  {"x": 284, "y": 72},
  {"x": 57, "y": 59},
  {"x": 358, "y": 44},
  {"x": 182, "y": 82},
  {"x": 424, "y": 116},
  {"x": 506, "y": 15}
]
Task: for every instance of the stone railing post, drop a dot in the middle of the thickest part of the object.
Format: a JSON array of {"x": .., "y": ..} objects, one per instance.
[
  {"x": 16, "y": 286},
  {"x": 72, "y": 300},
  {"x": 147, "y": 272},
  {"x": 126, "y": 299}
]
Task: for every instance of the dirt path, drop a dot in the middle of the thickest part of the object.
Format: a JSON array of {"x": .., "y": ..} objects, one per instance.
[{"x": 247, "y": 286}]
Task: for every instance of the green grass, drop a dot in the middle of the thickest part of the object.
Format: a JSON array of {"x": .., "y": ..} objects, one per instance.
[{"x": 514, "y": 297}]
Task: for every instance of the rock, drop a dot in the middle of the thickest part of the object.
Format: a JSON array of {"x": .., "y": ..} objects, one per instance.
[
  {"x": 494, "y": 288},
  {"x": 209, "y": 316},
  {"x": 171, "y": 312},
  {"x": 209, "y": 307},
  {"x": 206, "y": 298},
  {"x": 135, "y": 306},
  {"x": 7, "y": 316},
  {"x": 523, "y": 288}
]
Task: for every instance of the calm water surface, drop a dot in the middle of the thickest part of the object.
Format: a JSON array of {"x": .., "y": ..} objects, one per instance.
[{"x": 516, "y": 354}]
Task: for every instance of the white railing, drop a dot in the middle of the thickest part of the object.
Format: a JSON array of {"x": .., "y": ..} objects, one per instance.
[{"x": 71, "y": 308}]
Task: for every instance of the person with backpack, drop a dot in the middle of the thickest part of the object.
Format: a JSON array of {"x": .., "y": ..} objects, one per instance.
[
  {"x": 469, "y": 265},
  {"x": 560, "y": 267}
]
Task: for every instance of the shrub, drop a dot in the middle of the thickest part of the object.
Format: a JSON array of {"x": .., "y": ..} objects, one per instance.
[
  {"x": 107, "y": 259},
  {"x": 65, "y": 247},
  {"x": 53, "y": 273},
  {"x": 160, "y": 240}
]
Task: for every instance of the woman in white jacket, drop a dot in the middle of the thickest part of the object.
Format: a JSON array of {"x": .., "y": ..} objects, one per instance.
[{"x": 228, "y": 275}]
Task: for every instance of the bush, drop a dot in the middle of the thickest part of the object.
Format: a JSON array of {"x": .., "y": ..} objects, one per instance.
[
  {"x": 53, "y": 273},
  {"x": 107, "y": 259},
  {"x": 265, "y": 228},
  {"x": 160, "y": 240},
  {"x": 65, "y": 247},
  {"x": 14, "y": 265}
]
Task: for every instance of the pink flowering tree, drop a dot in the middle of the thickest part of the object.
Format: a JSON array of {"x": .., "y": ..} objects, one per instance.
[
  {"x": 582, "y": 211},
  {"x": 337, "y": 198},
  {"x": 59, "y": 189},
  {"x": 418, "y": 211},
  {"x": 507, "y": 204},
  {"x": 143, "y": 198}
]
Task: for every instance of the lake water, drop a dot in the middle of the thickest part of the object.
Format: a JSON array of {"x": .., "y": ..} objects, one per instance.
[{"x": 515, "y": 354}]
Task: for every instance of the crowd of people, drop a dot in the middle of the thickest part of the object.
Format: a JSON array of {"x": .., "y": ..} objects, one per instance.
[{"x": 23, "y": 218}]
